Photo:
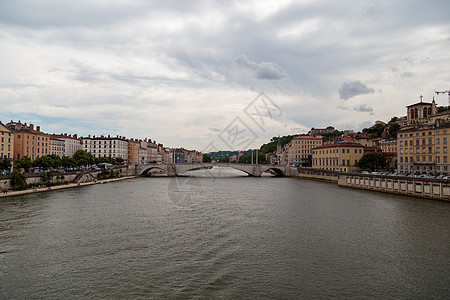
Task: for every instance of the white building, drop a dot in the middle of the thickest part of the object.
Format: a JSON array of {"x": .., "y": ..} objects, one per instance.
[
  {"x": 71, "y": 144},
  {"x": 106, "y": 146},
  {"x": 57, "y": 146}
]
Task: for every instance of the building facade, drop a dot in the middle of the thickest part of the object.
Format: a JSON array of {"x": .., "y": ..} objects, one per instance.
[
  {"x": 301, "y": 148},
  {"x": 57, "y": 146},
  {"x": 422, "y": 141},
  {"x": 338, "y": 157},
  {"x": 71, "y": 143},
  {"x": 6, "y": 142},
  {"x": 106, "y": 146},
  {"x": 133, "y": 152},
  {"x": 29, "y": 141},
  {"x": 424, "y": 149}
]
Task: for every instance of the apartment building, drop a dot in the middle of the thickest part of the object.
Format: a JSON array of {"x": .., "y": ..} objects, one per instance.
[
  {"x": 57, "y": 146},
  {"x": 422, "y": 142},
  {"x": 424, "y": 149},
  {"x": 300, "y": 149},
  {"x": 106, "y": 146},
  {"x": 71, "y": 143},
  {"x": 6, "y": 142},
  {"x": 338, "y": 157},
  {"x": 29, "y": 141}
]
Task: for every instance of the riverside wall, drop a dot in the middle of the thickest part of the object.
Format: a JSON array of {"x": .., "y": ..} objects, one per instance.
[
  {"x": 83, "y": 176},
  {"x": 410, "y": 186},
  {"x": 417, "y": 187}
]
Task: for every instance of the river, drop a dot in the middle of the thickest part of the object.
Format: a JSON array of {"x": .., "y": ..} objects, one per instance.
[{"x": 223, "y": 238}]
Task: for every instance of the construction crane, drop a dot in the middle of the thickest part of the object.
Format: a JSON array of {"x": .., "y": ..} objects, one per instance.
[{"x": 444, "y": 92}]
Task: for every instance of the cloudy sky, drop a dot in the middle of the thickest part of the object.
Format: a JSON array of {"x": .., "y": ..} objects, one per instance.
[{"x": 189, "y": 73}]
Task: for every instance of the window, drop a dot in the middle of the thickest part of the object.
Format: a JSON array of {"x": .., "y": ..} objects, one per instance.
[
  {"x": 430, "y": 159},
  {"x": 401, "y": 159},
  {"x": 444, "y": 149},
  {"x": 417, "y": 142},
  {"x": 438, "y": 141},
  {"x": 438, "y": 159},
  {"x": 445, "y": 159},
  {"x": 438, "y": 149},
  {"x": 429, "y": 141},
  {"x": 444, "y": 141},
  {"x": 401, "y": 143},
  {"x": 429, "y": 150}
]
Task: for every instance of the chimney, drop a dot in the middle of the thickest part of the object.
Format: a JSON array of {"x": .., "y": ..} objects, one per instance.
[
  {"x": 38, "y": 128},
  {"x": 75, "y": 136},
  {"x": 31, "y": 127}
]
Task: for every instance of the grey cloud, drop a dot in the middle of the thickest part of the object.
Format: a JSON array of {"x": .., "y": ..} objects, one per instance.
[
  {"x": 408, "y": 74},
  {"x": 354, "y": 88},
  {"x": 263, "y": 70},
  {"x": 363, "y": 108}
]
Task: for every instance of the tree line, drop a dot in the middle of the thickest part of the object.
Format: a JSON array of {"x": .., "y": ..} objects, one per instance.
[{"x": 78, "y": 159}]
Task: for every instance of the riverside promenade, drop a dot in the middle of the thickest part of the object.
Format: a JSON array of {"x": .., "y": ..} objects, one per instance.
[{"x": 60, "y": 187}]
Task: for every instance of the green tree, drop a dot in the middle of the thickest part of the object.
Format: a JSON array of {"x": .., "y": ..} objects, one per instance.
[
  {"x": 83, "y": 158},
  {"x": 44, "y": 162},
  {"x": 373, "y": 161},
  {"x": 119, "y": 160},
  {"x": 393, "y": 120},
  {"x": 224, "y": 159},
  {"x": 18, "y": 180},
  {"x": 245, "y": 159},
  {"x": 47, "y": 178},
  {"x": 393, "y": 130},
  {"x": 56, "y": 161},
  {"x": 68, "y": 162},
  {"x": 5, "y": 164},
  {"x": 272, "y": 145},
  {"x": 24, "y": 162},
  {"x": 206, "y": 158}
]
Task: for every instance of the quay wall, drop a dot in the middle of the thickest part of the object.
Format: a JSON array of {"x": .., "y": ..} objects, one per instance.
[
  {"x": 36, "y": 179},
  {"x": 325, "y": 175},
  {"x": 417, "y": 187}
]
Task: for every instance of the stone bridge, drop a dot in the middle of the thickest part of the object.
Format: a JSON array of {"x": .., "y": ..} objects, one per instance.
[{"x": 251, "y": 169}]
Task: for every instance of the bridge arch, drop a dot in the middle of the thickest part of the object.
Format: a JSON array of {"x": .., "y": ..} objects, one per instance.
[
  {"x": 278, "y": 172},
  {"x": 249, "y": 169},
  {"x": 147, "y": 171}
]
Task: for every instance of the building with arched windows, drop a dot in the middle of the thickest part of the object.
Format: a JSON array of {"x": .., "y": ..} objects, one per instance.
[{"x": 423, "y": 140}]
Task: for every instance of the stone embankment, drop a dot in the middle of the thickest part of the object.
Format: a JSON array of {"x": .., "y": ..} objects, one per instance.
[
  {"x": 59, "y": 187},
  {"x": 438, "y": 189},
  {"x": 69, "y": 177}
]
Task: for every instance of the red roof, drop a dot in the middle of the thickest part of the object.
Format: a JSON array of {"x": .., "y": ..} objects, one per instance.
[{"x": 340, "y": 145}]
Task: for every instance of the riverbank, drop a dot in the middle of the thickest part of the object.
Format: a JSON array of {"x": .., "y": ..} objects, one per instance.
[{"x": 60, "y": 187}]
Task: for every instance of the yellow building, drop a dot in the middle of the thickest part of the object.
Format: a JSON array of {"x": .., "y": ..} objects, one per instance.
[
  {"x": 6, "y": 142},
  {"x": 133, "y": 152},
  {"x": 29, "y": 141},
  {"x": 422, "y": 141},
  {"x": 424, "y": 149},
  {"x": 302, "y": 146},
  {"x": 338, "y": 157}
]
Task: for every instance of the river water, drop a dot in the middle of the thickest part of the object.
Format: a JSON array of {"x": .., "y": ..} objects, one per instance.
[{"x": 223, "y": 238}]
